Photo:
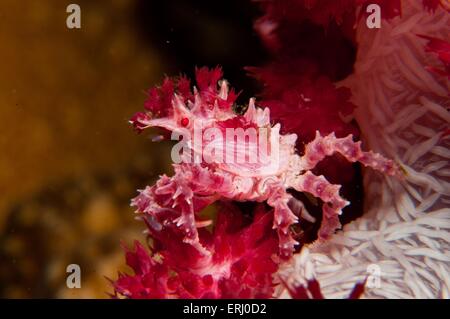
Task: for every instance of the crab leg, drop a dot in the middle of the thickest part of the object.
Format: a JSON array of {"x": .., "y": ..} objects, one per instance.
[
  {"x": 170, "y": 203},
  {"x": 321, "y": 147},
  {"x": 283, "y": 218},
  {"x": 333, "y": 204}
]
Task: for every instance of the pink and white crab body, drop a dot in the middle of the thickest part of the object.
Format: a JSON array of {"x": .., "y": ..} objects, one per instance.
[{"x": 176, "y": 201}]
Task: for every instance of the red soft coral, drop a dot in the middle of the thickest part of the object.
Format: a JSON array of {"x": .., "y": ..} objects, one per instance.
[
  {"x": 432, "y": 5},
  {"x": 296, "y": 89},
  {"x": 278, "y": 25},
  {"x": 159, "y": 101},
  {"x": 296, "y": 94},
  {"x": 442, "y": 49},
  {"x": 241, "y": 263}
]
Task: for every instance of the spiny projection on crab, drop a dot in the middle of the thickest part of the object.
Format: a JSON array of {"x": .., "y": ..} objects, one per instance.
[{"x": 174, "y": 202}]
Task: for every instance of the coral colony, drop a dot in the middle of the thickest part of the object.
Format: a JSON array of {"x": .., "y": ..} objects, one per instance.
[{"x": 249, "y": 166}]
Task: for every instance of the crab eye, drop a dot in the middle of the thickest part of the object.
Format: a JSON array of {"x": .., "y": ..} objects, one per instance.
[{"x": 184, "y": 121}]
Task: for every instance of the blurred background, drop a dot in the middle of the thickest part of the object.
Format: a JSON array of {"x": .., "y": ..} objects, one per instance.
[{"x": 69, "y": 161}]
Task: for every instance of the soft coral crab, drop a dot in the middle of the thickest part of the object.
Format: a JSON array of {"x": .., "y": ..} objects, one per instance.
[{"x": 174, "y": 202}]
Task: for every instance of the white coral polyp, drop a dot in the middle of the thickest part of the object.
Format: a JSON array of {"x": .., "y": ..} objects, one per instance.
[{"x": 401, "y": 245}]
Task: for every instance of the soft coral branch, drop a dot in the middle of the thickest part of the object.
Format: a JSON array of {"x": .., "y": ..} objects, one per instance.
[
  {"x": 441, "y": 48},
  {"x": 240, "y": 263}
]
